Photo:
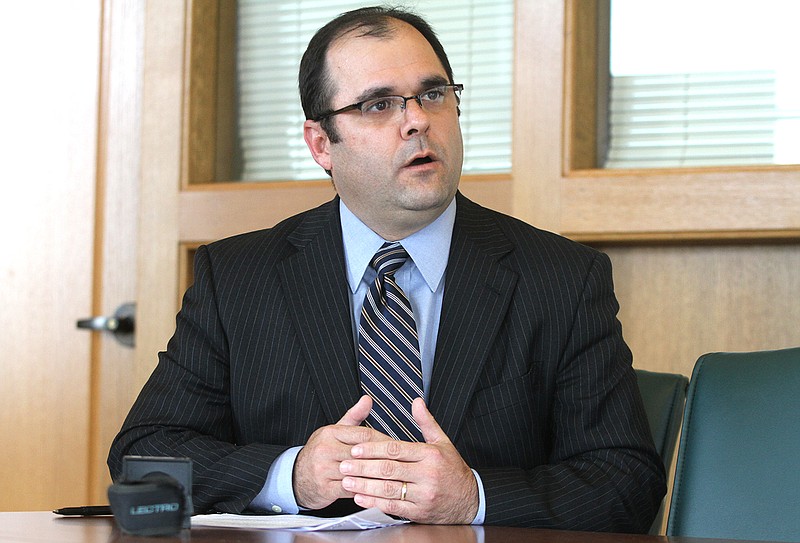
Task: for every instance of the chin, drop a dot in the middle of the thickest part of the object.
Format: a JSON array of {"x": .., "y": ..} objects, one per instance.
[{"x": 429, "y": 198}]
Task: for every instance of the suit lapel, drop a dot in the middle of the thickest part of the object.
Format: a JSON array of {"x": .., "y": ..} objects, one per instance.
[
  {"x": 316, "y": 288},
  {"x": 477, "y": 294}
]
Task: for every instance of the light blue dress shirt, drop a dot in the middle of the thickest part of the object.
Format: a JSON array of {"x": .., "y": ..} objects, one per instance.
[{"x": 422, "y": 279}]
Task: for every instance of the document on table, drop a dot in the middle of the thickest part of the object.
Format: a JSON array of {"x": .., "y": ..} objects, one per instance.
[{"x": 362, "y": 520}]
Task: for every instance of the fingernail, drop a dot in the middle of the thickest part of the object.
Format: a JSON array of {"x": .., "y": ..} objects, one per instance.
[
  {"x": 345, "y": 467},
  {"x": 358, "y": 450},
  {"x": 348, "y": 483}
]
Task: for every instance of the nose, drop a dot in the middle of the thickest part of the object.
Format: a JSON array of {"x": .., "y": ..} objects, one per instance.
[{"x": 415, "y": 118}]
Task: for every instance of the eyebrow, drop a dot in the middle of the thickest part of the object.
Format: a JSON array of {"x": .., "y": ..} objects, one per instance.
[
  {"x": 377, "y": 92},
  {"x": 374, "y": 92}
]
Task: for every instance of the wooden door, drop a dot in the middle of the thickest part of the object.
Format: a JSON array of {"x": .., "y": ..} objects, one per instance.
[{"x": 68, "y": 224}]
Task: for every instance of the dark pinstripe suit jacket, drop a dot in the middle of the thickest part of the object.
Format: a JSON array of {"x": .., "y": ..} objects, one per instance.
[{"x": 532, "y": 380}]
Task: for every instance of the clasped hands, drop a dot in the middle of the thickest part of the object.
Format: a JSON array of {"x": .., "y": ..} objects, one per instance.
[{"x": 346, "y": 460}]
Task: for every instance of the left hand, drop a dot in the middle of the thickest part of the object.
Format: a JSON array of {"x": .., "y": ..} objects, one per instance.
[{"x": 440, "y": 487}]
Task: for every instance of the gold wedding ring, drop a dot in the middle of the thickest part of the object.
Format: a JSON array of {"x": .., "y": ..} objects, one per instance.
[{"x": 403, "y": 492}]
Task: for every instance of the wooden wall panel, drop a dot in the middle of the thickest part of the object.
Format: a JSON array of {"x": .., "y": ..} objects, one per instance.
[{"x": 681, "y": 301}]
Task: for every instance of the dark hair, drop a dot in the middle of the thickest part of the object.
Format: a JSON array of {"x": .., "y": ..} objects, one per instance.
[{"x": 316, "y": 85}]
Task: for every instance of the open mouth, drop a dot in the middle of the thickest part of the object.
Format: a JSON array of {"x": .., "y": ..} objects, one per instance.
[{"x": 421, "y": 160}]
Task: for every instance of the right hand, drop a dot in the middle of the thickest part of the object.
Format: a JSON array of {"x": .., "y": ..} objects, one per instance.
[{"x": 316, "y": 479}]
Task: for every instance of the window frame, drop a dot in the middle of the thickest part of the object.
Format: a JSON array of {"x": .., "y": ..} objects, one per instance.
[{"x": 708, "y": 203}]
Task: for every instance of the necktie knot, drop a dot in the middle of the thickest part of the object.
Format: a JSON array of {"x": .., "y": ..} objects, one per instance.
[{"x": 389, "y": 258}]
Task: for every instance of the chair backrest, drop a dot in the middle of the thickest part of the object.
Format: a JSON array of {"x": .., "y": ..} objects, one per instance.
[
  {"x": 664, "y": 395},
  {"x": 738, "y": 468}
]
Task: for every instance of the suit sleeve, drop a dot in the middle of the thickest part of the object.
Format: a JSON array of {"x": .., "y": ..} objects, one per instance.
[
  {"x": 602, "y": 470},
  {"x": 184, "y": 408}
]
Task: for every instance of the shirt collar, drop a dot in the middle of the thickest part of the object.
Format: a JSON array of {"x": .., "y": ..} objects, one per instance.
[{"x": 428, "y": 248}]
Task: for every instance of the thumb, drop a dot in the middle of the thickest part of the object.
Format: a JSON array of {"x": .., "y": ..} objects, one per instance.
[
  {"x": 431, "y": 430},
  {"x": 358, "y": 413}
]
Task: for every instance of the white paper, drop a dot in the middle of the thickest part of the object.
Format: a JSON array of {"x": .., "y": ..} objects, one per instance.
[{"x": 362, "y": 520}]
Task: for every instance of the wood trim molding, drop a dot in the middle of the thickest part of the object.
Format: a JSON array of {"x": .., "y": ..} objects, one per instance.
[
  {"x": 205, "y": 210},
  {"x": 586, "y": 84},
  {"x": 538, "y": 112},
  {"x": 706, "y": 204},
  {"x": 200, "y": 130},
  {"x": 161, "y": 170}
]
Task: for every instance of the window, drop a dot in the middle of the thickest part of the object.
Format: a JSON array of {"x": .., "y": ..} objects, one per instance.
[{"x": 707, "y": 83}]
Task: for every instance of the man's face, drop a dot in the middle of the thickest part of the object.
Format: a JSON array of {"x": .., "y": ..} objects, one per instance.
[{"x": 399, "y": 176}]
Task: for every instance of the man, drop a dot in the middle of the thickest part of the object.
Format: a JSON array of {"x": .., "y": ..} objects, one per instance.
[{"x": 530, "y": 412}]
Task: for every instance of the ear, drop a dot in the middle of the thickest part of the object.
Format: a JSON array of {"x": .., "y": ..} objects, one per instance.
[{"x": 318, "y": 143}]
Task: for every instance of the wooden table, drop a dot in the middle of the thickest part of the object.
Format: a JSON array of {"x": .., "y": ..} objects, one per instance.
[{"x": 46, "y": 527}]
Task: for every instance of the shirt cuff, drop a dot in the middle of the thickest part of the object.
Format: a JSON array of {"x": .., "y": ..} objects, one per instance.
[
  {"x": 278, "y": 492},
  {"x": 481, "y": 516}
]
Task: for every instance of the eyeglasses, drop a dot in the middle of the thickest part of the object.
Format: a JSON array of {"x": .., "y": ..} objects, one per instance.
[{"x": 384, "y": 109}]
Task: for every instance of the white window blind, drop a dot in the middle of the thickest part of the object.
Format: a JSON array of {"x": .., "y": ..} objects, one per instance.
[
  {"x": 695, "y": 119},
  {"x": 272, "y": 35}
]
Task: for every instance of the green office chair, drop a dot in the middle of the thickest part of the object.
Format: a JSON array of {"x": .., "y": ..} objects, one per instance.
[
  {"x": 738, "y": 470},
  {"x": 664, "y": 395}
]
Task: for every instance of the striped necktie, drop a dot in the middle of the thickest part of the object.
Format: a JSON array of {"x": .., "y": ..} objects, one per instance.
[{"x": 388, "y": 350}]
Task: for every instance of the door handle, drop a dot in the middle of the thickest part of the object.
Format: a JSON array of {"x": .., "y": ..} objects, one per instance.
[{"x": 122, "y": 324}]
